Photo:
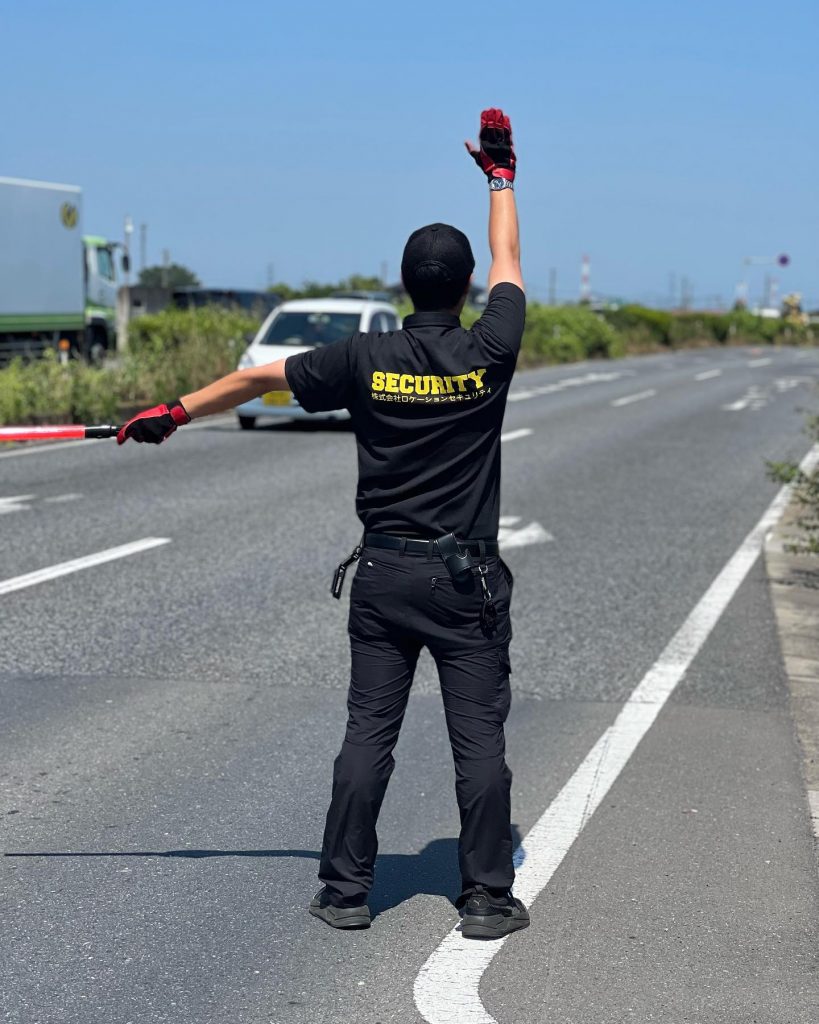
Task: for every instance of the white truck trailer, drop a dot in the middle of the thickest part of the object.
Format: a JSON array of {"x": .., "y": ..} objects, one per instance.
[{"x": 56, "y": 284}]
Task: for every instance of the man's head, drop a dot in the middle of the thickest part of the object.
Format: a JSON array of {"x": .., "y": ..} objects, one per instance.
[{"x": 436, "y": 267}]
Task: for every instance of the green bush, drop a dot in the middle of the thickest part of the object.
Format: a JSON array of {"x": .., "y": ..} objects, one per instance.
[
  {"x": 179, "y": 350},
  {"x": 47, "y": 390},
  {"x": 564, "y": 334},
  {"x": 645, "y": 328},
  {"x": 169, "y": 354}
]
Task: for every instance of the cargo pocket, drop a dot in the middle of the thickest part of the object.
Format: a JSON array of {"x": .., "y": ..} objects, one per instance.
[
  {"x": 504, "y": 685},
  {"x": 507, "y": 572}
]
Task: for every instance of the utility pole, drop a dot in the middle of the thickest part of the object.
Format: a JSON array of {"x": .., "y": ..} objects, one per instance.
[
  {"x": 672, "y": 289},
  {"x": 585, "y": 280},
  {"x": 686, "y": 294},
  {"x": 552, "y": 286},
  {"x": 271, "y": 274},
  {"x": 143, "y": 245},
  {"x": 166, "y": 262},
  {"x": 384, "y": 271},
  {"x": 123, "y": 312},
  {"x": 129, "y": 230}
]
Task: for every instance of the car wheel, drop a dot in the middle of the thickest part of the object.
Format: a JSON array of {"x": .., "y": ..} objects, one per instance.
[{"x": 247, "y": 422}]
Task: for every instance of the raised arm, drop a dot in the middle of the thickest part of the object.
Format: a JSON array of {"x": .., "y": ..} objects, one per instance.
[{"x": 496, "y": 158}]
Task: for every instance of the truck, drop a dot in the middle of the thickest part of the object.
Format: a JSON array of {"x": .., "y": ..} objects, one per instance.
[{"x": 58, "y": 287}]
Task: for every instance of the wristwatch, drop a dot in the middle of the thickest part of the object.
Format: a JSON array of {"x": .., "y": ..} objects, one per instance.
[{"x": 498, "y": 184}]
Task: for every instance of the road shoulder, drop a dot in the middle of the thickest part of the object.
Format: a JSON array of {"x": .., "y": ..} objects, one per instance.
[{"x": 794, "y": 583}]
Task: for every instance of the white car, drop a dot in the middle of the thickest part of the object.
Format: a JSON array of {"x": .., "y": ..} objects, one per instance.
[{"x": 299, "y": 326}]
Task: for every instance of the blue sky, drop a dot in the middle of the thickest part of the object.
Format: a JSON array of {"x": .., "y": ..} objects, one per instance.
[{"x": 661, "y": 138}]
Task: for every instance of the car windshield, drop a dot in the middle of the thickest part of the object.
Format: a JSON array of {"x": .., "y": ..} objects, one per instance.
[{"x": 311, "y": 328}]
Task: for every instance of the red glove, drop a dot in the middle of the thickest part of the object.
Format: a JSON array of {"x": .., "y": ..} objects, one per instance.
[
  {"x": 496, "y": 156},
  {"x": 154, "y": 425}
]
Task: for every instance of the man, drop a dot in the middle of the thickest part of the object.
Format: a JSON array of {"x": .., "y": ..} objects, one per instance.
[{"x": 427, "y": 405}]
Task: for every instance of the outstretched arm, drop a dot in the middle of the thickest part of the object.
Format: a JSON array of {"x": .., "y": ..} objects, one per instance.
[
  {"x": 496, "y": 158},
  {"x": 236, "y": 388},
  {"x": 155, "y": 425}
]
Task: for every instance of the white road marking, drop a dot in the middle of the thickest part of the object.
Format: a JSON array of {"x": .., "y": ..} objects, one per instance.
[
  {"x": 42, "y": 446},
  {"x": 708, "y": 374},
  {"x": 39, "y": 447},
  {"x": 754, "y": 399},
  {"x": 61, "y": 499},
  {"x": 20, "y": 502},
  {"x": 515, "y": 435},
  {"x": 639, "y": 397},
  {"x": 446, "y": 989},
  {"x": 52, "y": 572},
  {"x": 595, "y": 377},
  {"x": 508, "y": 520},
  {"x": 508, "y": 537},
  {"x": 15, "y": 503},
  {"x": 813, "y": 803},
  {"x": 760, "y": 362}
]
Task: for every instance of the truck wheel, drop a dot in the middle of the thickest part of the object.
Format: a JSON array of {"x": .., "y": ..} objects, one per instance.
[{"x": 247, "y": 422}]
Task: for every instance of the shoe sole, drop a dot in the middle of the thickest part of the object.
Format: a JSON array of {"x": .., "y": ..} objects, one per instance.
[
  {"x": 338, "y": 917},
  {"x": 495, "y": 927}
]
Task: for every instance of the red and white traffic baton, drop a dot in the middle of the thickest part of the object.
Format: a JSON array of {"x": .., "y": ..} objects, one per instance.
[{"x": 57, "y": 433}]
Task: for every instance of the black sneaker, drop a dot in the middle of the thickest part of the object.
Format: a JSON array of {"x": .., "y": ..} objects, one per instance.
[
  {"x": 339, "y": 917},
  {"x": 491, "y": 917}
]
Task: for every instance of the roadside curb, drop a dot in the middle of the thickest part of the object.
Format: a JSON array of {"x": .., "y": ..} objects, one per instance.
[{"x": 794, "y": 586}]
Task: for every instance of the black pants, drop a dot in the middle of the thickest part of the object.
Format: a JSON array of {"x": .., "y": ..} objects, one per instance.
[{"x": 400, "y": 604}]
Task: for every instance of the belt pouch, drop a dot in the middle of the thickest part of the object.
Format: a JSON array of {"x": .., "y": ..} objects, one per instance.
[{"x": 459, "y": 566}]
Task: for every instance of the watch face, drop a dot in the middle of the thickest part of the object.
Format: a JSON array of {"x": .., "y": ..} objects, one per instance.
[{"x": 496, "y": 184}]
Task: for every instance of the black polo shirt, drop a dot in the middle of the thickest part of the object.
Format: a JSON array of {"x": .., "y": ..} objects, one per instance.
[{"x": 427, "y": 406}]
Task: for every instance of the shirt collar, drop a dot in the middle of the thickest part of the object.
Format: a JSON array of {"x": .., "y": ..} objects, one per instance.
[{"x": 439, "y": 318}]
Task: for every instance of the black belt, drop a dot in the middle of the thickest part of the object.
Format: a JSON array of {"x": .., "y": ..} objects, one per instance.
[{"x": 419, "y": 546}]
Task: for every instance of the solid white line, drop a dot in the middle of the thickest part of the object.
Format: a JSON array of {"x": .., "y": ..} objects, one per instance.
[
  {"x": 446, "y": 989},
  {"x": 514, "y": 435},
  {"x": 52, "y": 572},
  {"x": 634, "y": 398},
  {"x": 44, "y": 446},
  {"x": 708, "y": 374},
  {"x": 760, "y": 362},
  {"x": 39, "y": 447},
  {"x": 519, "y": 396}
]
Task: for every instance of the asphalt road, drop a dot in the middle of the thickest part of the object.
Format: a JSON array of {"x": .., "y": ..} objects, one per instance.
[{"x": 168, "y": 722}]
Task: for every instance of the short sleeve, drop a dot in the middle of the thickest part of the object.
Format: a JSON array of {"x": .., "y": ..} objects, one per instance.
[
  {"x": 500, "y": 327},
  {"x": 322, "y": 379}
]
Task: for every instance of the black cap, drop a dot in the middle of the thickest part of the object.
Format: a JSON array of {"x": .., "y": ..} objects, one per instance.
[{"x": 437, "y": 263}]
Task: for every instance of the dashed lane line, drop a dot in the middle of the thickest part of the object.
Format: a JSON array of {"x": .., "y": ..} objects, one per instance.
[
  {"x": 515, "y": 435},
  {"x": 446, "y": 989},
  {"x": 52, "y": 572},
  {"x": 708, "y": 375},
  {"x": 760, "y": 362},
  {"x": 629, "y": 399},
  {"x": 15, "y": 503}
]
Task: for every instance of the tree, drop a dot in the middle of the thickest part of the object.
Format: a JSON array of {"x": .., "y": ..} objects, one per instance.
[
  {"x": 172, "y": 276},
  {"x": 319, "y": 290}
]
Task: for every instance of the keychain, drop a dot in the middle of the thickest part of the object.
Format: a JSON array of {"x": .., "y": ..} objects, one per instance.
[
  {"x": 341, "y": 571},
  {"x": 489, "y": 613}
]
